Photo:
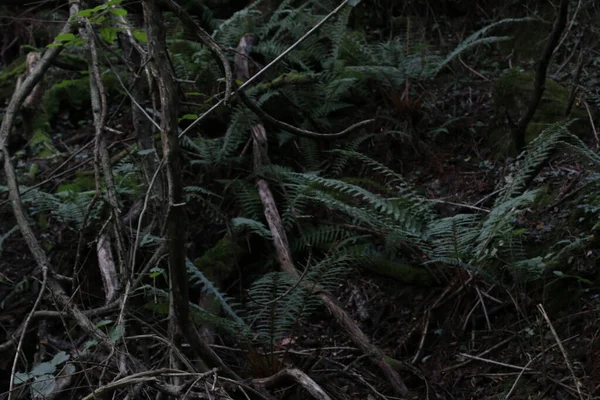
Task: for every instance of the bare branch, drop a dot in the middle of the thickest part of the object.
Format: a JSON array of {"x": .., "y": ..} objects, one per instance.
[{"x": 540, "y": 75}]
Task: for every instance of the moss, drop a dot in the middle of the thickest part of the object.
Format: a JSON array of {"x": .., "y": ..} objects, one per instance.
[
  {"x": 512, "y": 93},
  {"x": 74, "y": 94},
  {"x": 36, "y": 130},
  {"x": 219, "y": 262},
  {"x": 71, "y": 94},
  {"x": 81, "y": 183},
  {"x": 8, "y": 78}
]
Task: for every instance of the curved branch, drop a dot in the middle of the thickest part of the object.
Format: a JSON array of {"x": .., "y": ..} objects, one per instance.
[
  {"x": 205, "y": 38},
  {"x": 540, "y": 75},
  {"x": 293, "y": 374},
  {"x": 298, "y": 131}
]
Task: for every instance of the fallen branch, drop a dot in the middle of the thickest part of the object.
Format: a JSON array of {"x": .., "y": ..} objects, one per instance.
[
  {"x": 295, "y": 375},
  {"x": 284, "y": 256}
]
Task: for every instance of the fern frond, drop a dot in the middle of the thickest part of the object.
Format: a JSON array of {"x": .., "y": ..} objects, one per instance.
[
  {"x": 477, "y": 38},
  {"x": 529, "y": 162},
  {"x": 196, "y": 277},
  {"x": 253, "y": 226}
]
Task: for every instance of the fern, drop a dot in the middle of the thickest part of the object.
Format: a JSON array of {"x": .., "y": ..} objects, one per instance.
[
  {"x": 196, "y": 277},
  {"x": 477, "y": 38},
  {"x": 253, "y": 226},
  {"x": 276, "y": 304},
  {"x": 530, "y": 161}
]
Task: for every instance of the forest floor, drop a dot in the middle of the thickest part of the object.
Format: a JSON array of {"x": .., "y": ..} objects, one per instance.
[{"x": 471, "y": 339}]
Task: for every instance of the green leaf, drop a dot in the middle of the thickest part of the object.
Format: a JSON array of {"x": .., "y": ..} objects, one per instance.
[
  {"x": 189, "y": 117},
  {"x": 54, "y": 45},
  {"x": 84, "y": 13},
  {"x": 65, "y": 37},
  {"x": 119, "y": 12},
  {"x": 108, "y": 33},
  {"x": 99, "y": 8},
  {"x": 60, "y": 358},
  {"x": 353, "y": 3},
  {"x": 63, "y": 84},
  {"x": 140, "y": 35},
  {"x": 156, "y": 271},
  {"x": 146, "y": 152},
  {"x": 69, "y": 369},
  {"x": 104, "y": 322},
  {"x": 43, "y": 368},
  {"x": 116, "y": 333},
  {"x": 21, "y": 377}
]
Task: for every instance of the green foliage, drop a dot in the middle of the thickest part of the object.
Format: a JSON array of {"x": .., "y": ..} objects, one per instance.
[
  {"x": 197, "y": 277},
  {"x": 531, "y": 160},
  {"x": 478, "y": 38},
  {"x": 66, "y": 207}
]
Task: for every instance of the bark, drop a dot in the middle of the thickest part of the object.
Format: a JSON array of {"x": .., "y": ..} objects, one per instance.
[{"x": 175, "y": 224}]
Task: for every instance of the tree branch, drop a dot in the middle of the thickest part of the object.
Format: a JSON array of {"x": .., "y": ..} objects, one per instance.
[{"x": 540, "y": 75}]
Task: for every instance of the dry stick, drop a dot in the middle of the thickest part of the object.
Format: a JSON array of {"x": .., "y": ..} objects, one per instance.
[
  {"x": 102, "y": 160},
  {"x": 587, "y": 107},
  {"x": 540, "y": 75},
  {"x": 297, "y": 376},
  {"x": 282, "y": 249},
  {"x": 284, "y": 256},
  {"x": 562, "y": 349},
  {"x": 486, "y": 360},
  {"x": 146, "y": 376},
  {"x": 494, "y": 347},
  {"x": 487, "y": 318},
  {"x": 38, "y": 253},
  {"x": 423, "y": 336},
  {"x": 514, "y": 386},
  {"x": 56, "y": 314}
]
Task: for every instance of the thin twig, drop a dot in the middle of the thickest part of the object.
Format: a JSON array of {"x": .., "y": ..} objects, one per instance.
[
  {"x": 487, "y": 360},
  {"x": 513, "y": 387},
  {"x": 423, "y": 336},
  {"x": 487, "y": 318},
  {"x": 587, "y": 107},
  {"x": 562, "y": 349}
]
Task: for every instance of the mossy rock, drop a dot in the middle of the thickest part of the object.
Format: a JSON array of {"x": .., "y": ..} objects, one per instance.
[
  {"x": 74, "y": 94},
  {"x": 219, "y": 262},
  {"x": 512, "y": 93}
]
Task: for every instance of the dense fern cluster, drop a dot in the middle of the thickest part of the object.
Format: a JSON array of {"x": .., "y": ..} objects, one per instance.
[{"x": 341, "y": 208}]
